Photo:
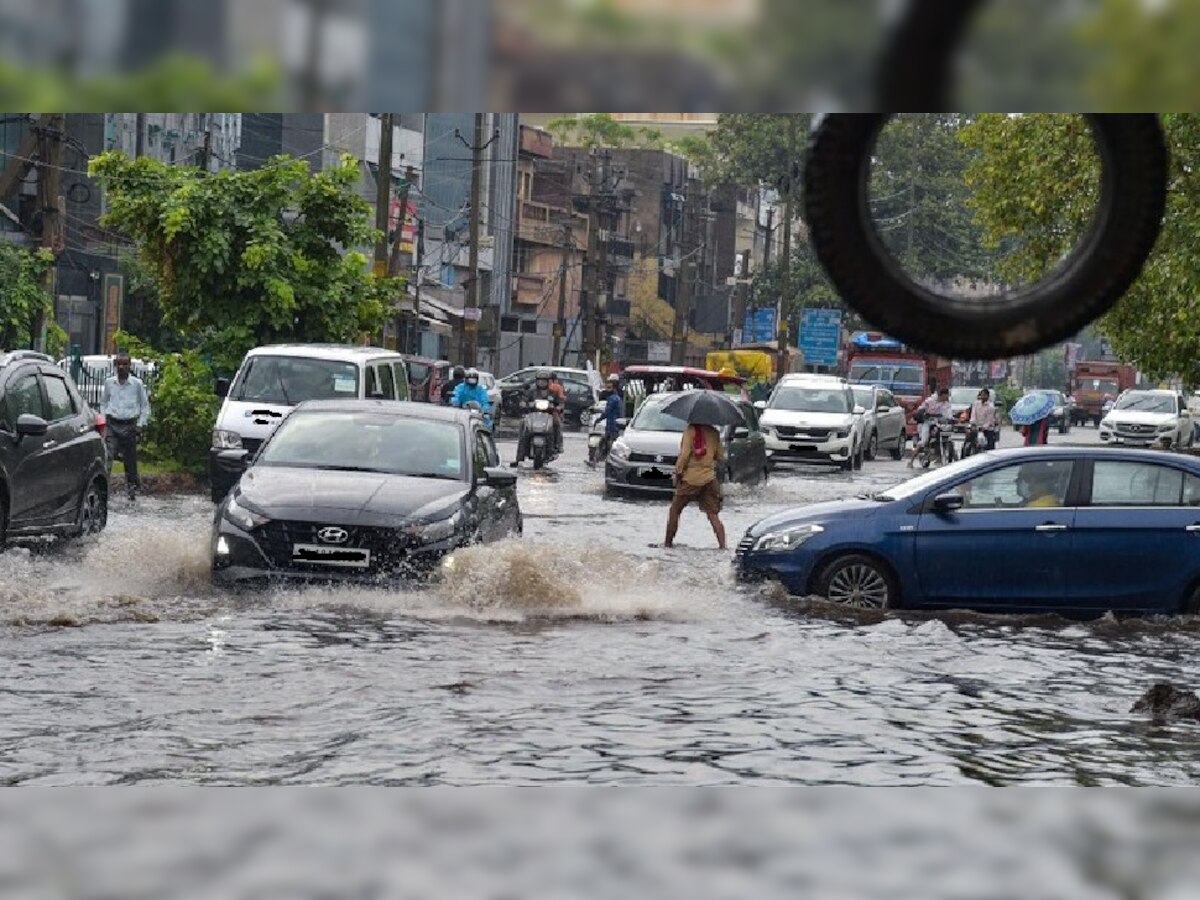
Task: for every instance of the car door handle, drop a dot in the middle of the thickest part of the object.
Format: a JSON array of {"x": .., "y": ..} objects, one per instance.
[{"x": 1050, "y": 529}]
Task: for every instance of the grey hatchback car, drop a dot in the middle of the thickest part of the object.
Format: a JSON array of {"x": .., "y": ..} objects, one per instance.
[{"x": 642, "y": 459}]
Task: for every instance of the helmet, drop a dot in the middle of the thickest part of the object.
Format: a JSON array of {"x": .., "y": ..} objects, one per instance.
[
  {"x": 472, "y": 376},
  {"x": 614, "y": 378},
  {"x": 543, "y": 375},
  {"x": 459, "y": 372}
]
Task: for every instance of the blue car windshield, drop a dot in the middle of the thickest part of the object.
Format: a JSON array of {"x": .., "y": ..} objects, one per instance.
[{"x": 922, "y": 483}]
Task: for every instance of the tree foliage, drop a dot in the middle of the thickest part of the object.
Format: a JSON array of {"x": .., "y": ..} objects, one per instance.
[
  {"x": 1031, "y": 180},
  {"x": 247, "y": 258},
  {"x": 22, "y": 294},
  {"x": 598, "y": 131}
]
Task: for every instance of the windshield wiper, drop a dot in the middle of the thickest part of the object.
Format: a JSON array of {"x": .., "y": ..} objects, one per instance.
[{"x": 442, "y": 475}]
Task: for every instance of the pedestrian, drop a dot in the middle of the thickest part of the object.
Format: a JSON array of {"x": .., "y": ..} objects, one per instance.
[
  {"x": 696, "y": 479},
  {"x": 126, "y": 410},
  {"x": 1037, "y": 433},
  {"x": 985, "y": 417}
]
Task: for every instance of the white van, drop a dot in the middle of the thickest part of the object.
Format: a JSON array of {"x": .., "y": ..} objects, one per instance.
[{"x": 275, "y": 378}]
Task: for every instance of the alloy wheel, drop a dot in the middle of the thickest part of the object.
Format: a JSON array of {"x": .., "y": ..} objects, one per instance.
[
  {"x": 860, "y": 586},
  {"x": 93, "y": 512}
]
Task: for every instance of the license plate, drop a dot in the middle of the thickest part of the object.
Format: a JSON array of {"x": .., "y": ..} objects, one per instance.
[
  {"x": 342, "y": 557},
  {"x": 802, "y": 447},
  {"x": 656, "y": 475}
]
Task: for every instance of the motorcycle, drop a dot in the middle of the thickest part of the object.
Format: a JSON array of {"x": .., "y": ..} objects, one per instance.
[
  {"x": 940, "y": 446},
  {"x": 598, "y": 443},
  {"x": 537, "y": 433},
  {"x": 974, "y": 441}
]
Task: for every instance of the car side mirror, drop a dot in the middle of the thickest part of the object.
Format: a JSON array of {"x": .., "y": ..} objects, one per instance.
[
  {"x": 29, "y": 425},
  {"x": 860, "y": 410},
  {"x": 760, "y": 405},
  {"x": 947, "y": 503},
  {"x": 499, "y": 478},
  {"x": 221, "y": 389},
  {"x": 741, "y": 433}
]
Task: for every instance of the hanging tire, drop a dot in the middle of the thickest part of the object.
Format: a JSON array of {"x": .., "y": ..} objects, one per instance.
[
  {"x": 857, "y": 581},
  {"x": 1134, "y": 169}
]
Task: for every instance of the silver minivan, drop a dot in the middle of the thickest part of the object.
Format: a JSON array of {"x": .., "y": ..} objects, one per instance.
[{"x": 274, "y": 379}]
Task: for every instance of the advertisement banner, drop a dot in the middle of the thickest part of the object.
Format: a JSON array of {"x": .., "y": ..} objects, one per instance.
[{"x": 114, "y": 300}]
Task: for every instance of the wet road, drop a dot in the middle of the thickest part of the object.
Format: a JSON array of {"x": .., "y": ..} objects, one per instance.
[{"x": 579, "y": 654}]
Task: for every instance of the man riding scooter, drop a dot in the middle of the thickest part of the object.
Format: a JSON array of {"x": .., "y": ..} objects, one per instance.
[
  {"x": 471, "y": 391},
  {"x": 614, "y": 408},
  {"x": 539, "y": 391}
]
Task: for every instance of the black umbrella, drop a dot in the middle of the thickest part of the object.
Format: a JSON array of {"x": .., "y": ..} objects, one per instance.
[{"x": 704, "y": 408}]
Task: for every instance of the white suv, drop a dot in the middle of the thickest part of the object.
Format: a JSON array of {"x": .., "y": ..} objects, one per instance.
[
  {"x": 813, "y": 418},
  {"x": 1147, "y": 418}
]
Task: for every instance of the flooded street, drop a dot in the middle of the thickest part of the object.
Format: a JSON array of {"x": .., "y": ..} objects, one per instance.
[{"x": 579, "y": 654}]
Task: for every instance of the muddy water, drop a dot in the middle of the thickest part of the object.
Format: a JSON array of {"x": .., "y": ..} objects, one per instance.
[{"x": 578, "y": 654}]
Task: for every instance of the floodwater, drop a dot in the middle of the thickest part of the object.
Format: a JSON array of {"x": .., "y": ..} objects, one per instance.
[{"x": 579, "y": 654}]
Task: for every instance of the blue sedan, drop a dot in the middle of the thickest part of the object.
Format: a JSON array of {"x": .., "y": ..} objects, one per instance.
[{"x": 1035, "y": 530}]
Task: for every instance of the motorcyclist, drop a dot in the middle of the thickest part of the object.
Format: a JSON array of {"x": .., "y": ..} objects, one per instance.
[
  {"x": 936, "y": 406},
  {"x": 560, "y": 392},
  {"x": 539, "y": 390},
  {"x": 471, "y": 391},
  {"x": 614, "y": 406},
  {"x": 459, "y": 376},
  {"x": 985, "y": 418}
]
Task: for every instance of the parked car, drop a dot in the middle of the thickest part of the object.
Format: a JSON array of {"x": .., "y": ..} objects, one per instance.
[
  {"x": 53, "y": 463},
  {"x": 363, "y": 489},
  {"x": 274, "y": 379},
  {"x": 813, "y": 418},
  {"x": 579, "y": 385},
  {"x": 642, "y": 460},
  {"x": 1149, "y": 418},
  {"x": 1077, "y": 531},
  {"x": 883, "y": 421},
  {"x": 426, "y": 377}
]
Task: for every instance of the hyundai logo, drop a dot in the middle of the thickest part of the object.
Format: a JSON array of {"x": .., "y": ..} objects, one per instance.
[{"x": 333, "y": 535}]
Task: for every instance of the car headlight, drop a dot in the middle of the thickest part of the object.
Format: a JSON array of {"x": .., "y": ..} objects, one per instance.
[
  {"x": 620, "y": 451},
  {"x": 1170, "y": 426},
  {"x": 1106, "y": 423},
  {"x": 842, "y": 433},
  {"x": 434, "y": 532},
  {"x": 243, "y": 518},
  {"x": 788, "y": 539},
  {"x": 226, "y": 440}
]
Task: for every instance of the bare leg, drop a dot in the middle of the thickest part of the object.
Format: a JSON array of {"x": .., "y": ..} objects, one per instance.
[
  {"x": 718, "y": 529},
  {"x": 673, "y": 522}
]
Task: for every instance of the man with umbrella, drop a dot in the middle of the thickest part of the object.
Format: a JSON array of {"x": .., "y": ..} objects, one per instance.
[{"x": 700, "y": 452}]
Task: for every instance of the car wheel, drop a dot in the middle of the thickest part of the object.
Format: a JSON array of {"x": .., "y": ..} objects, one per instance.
[
  {"x": 1191, "y": 602},
  {"x": 873, "y": 447},
  {"x": 847, "y": 464},
  {"x": 898, "y": 450},
  {"x": 857, "y": 581},
  {"x": 93, "y": 510}
]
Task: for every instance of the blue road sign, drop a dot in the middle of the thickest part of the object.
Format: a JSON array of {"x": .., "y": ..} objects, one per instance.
[
  {"x": 759, "y": 327},
  {"x": 820, "y": 336}
]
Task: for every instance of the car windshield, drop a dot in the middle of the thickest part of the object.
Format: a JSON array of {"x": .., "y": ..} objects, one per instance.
[
  {"x": 915, "y": 486},
  {"x": 367, "y": 442},
  {"x": 290, "y": 380},
  {"x": 652, "y": 418},
  {"x": 1151, "y": 403},
  {"x": 889, "y": 375},
  {"x": 963, "y": 395},
  {"x": 810, "y": 399},
  {"x": 487, "y": 380}
]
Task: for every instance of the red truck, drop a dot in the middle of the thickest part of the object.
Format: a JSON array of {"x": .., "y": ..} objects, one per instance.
[
  {"x": 1090, "y": 383},
  {"x": 911, "y": 376}
]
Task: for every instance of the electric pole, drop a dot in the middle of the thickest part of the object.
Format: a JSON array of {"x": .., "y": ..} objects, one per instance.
[
  {"x": 786, "y": 279},
  {"x": 383, "y": 196},
  {"x": 471, "y": 328},
  {"x": 600, "y": 203},
  {"x": 393, "y": 269},
  {"x": 684, "y": 288},
  {"x": 52, "y": 130},
  {"x": 415, "y": 337},
  {"x": 560, "y": 325},
  {"x": 139, "y": 138}
]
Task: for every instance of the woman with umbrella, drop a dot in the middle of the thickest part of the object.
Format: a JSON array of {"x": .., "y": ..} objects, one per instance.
[
  {"x": 1032, "y": 414},
  {"x": 700, "y": 451}
]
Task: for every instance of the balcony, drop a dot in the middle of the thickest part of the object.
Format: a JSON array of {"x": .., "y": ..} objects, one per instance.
[
  {"x": 541, "y": 223},
  {"x": 529, "y": 290}
]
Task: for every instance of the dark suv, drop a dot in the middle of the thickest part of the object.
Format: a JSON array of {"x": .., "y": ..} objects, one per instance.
[{"x": 53, "y": 464}]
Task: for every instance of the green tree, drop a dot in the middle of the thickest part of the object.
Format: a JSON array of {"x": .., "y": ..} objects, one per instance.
[
  {"x": 1034, "y": 190},
  {"x": 598, "y": 131},
  {"x": 242, "y": 259},
  {"x": 22, "y": 275}
]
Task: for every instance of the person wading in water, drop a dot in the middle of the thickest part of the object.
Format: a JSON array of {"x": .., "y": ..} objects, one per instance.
[{"x": 696, "y": 479}]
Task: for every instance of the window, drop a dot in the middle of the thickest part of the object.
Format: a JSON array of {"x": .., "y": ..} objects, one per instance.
[
  {"x": 490, "y": 444},
  {"x": 482, "y": 457},
  {"x": 60, "y": 400},
  {"x": 401, "y": 380},
  {"x": 418, "y": 373},
  {"x": 25, "y": 398},
  {"x": 1028, "y": 485},
  {"x": 380, "y": 385},
  {"x": 1136, "y": 484},
  {"x": 886, "y": 401}
]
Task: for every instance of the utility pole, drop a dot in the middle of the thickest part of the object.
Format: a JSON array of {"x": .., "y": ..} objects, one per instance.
[
  {"x": 471, "y": 329},
  {"x": 560, "y": 325},
  {"x": 383, "y": 196},
  {"x": 208, "y": 142},
  {"x": 139, "y": 139},
  {"x": 415, "y": 337},
  {"x": 786, "y": 280},
  {"x": 684, "y": 290},
  {"x": 52, "y": 130},
  {"x": 393, "y": 269},
  {"x": 594, "y": 309}
]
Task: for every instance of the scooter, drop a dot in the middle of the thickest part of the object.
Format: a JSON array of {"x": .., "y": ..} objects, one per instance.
[
  {"x": 537, "y": 434},
  {"x": 940, "y": 447},
  {"x": 974, "y": 441},
  {"x": 477, "y": 409},
  {"x": 597, "y": 442}
]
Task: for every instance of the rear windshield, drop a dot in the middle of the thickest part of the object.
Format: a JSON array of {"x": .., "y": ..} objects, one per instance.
[{"x": 288, "y": 380}]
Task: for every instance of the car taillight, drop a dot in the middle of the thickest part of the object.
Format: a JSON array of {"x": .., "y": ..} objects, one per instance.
[{"x": 101, "y": 423}]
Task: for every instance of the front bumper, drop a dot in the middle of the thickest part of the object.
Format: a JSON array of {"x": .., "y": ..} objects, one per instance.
[
  {"x": 791, "y": 568},
  {"x": 638, "y": 477},
  {"x": 1144, "y": 439},
  {"x": 801, "y": 447}
]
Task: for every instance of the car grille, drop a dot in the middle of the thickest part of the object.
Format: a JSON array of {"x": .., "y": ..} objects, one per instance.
[
  {"x": 660, "y": 459},
  {"x": 389, "y": 548},
  {"x": 1136, "y": 429},
  {"x": 789, "y": 431}
]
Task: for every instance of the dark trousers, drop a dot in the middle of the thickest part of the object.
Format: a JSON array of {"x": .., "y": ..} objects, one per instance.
[{"x": 122, "y": 443}]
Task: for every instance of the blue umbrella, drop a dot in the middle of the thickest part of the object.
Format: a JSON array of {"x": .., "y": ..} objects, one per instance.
[{"x": 1031, "y": 408}]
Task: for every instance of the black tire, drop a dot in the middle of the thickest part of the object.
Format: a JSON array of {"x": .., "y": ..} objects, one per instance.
[
  {"x": 93, "y": 510},
  {"x": 539, "y": 458},
  {"x": 898, "y": 450},
  {"x": 1110, "y": 256},
  {"x": 872, "y": 450},
  {"x": 1191, "y": 601},
  {"x": 857, "y": 581},
  {"x": 856, "y": 459},
  {"x": 847, "y": 465}
]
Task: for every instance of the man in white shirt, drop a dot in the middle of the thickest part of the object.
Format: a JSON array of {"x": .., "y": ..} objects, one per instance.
[
  {"x": 936, "y": 406},
  {"x": 985, "y": 417},
  {"x": 127, "y": 410}
]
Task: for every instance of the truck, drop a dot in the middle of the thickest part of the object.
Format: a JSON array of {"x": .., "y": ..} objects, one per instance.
[
  {"x": 1090, "y": 383},
  {"x": 909, "y": 374}
]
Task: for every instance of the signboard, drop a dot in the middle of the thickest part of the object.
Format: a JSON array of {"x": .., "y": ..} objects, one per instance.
[
  {"x": 999, "y": 370},
  {"x": 472, "y": 313},
  {"x": 820, "y": 336},
  {"x": 658, "y": 352},
  {"x": 408, "y": 234},
  {"x": 759, "y": 327},
  {"x": 113, "y": 301}
]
